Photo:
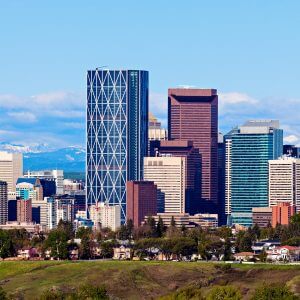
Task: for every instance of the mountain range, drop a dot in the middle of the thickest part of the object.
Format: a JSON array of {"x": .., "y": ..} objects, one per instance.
[{"x": 41, "y": 157}]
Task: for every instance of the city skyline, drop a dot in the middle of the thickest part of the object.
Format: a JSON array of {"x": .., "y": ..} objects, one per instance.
[{"x": 251, "y": 60}]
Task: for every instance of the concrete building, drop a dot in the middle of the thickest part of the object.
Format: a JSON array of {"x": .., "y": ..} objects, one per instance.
[
  {"x": 155, "y": 131},
  {"x": 193, "y": 116},
  {"x": 250, "y": 147},
  {"x": 51, "y": 175},
  {"x": 177, "y": 148},
  {"x": 40, "y": 212},
  {"x": 104, "y": 215},
  {"x": 282, "y": 213},
  {"x": 117, "y": 133},
  {"x": 141, "y": 200},
  {"x": 187, "y": 220},
  {"x": 72, "y": 186},
  {"x": 51, "y": 213},
  {"x": 11, "y": 168},
  {"x": 24, "y": 210},
  {"x": 29, "y": 188},
  {"x": 284, "y": 181},
  {"x": 262, "y": 216},
  {"x": 169, "y": 175},
  {"x": 3, "y": 202}
]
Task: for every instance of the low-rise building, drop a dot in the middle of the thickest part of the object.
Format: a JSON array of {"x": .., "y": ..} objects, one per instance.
[
  {"x": 243, "y": 256},
  {"x": 122, "y": 253},
  {"x": 284, "y": 253},
  {"x": 262, "y": 216}
]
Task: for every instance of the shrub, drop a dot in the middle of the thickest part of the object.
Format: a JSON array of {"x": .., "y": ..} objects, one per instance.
[
  {"x": 3, "y": 295},
  {"x": 224, "y": 293},
  {"x": 274, "y": 292}
]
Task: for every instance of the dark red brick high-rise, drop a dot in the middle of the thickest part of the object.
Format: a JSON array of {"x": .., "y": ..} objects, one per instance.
[{"x": 193, "y": 116}]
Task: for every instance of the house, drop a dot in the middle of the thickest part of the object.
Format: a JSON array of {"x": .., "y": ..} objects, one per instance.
[
  {"x": 28, "y": 253},
  {"x": 265, "y": 245},
  {"x": 122, "y": 253},
  {"x": 284, "y": 253},
  {"x": 244, "y": 256}
]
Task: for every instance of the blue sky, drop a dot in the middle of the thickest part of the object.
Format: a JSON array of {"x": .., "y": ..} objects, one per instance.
[{"x": 248, "y": 50}]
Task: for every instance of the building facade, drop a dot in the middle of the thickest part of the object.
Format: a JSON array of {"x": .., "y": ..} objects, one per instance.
[
  {"x": 3, "y": 202},
  {"x": 177, "y": 148},
  {"x": 117, "y": 133},
  {"x": 155, "y": 131},
  {"x": 141, "y": 200},
  {"x": 282, "y": 213},
  {"x": 284, "y": 181},
  {"x": 193, "y": 116},
  {"x": 169, "y": 175},
  {"x": 262, "y": 216},
  {"x": 51, "y": 175},
  {"x": 249, "y": 150},
  {"x": 11, "y": 168},
  {"x": 104, "y": 215},
  {"x": 29, "y": 188},
  {"x": 24, "y": 210}
]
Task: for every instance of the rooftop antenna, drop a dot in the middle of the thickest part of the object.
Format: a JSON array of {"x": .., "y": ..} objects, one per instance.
[{"x": 102, "y": 67}]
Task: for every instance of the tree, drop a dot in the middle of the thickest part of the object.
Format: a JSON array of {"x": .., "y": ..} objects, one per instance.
[
  {"x": 160, "y": 227},
  {"x": 274, "y": 292},
  {"x": 57, "y": 243},
  {"x": 107, "y": 249},
  {"x": 85, "y": 248},
  {"x": 83, "y": 231},
  {"x": 172, "y": 224},
  {"x": 6, "y": 246},
  {"x": 263, "y": 256},
  {"x": 227, "y": 250},
  {"x": 130, "y": 228},
  {"x": 66, "y": 227},
  {"x": 295, "y": 219},
  {"x": 224, "y": 293}
]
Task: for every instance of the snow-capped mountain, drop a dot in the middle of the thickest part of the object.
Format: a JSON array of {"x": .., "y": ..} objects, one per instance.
[
  {"x": 71, "y": 159},
  {"x": 39, "y": 157}
]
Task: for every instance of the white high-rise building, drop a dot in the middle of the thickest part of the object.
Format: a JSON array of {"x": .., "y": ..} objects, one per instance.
[
  {"x": 284, "y": 181},
  {"x": 168, "y": 173},
  {"x": 55, "y": 175},
  {"x": 11, "y": 168},
  {"x": 51, "y": 213},
  {"x": 105, "y": 215}
]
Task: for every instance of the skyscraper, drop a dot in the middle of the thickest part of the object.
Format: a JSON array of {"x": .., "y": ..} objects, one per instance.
[
  {"x": 168, "y": 174},
  {"x": 155, "y": 131},
  {"x": 117, "y": 133},
  {"x": 141, "y": 201},
  {"x": 193, "y": 116},
  {"x": 3, "y": 202},
  {"x": 177, "y": 148},
  {"x": 11, "y": 168},
  {"x": 248, "y": 150},
  {"x": 284, "y": 181}
]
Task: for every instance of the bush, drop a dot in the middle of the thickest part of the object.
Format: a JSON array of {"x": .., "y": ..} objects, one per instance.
[
  {"x": 3, "y": 295},
  {"x": 191, "y": 293},
  {"x": 224, "y": 293},
  {"x": 274, "y": 292}
]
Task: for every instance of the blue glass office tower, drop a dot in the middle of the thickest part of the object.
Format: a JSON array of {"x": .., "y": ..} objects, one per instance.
[
  {"x": 247, "y": 153},
  {"x": 117, "y": 133}
]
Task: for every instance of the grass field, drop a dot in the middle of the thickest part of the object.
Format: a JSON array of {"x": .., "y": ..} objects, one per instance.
[{"x": 138, "y": 280}]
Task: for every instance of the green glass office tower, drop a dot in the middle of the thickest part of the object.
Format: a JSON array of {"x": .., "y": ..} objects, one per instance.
[{"x": 248, "y": 150}]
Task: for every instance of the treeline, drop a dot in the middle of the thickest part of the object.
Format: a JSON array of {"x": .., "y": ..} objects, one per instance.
[{"x": 146, "y": 240}]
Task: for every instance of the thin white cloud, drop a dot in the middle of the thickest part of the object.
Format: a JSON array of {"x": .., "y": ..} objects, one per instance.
[
  {"x": 23, "y": 116},
  {"x": 291, "y": 139}
]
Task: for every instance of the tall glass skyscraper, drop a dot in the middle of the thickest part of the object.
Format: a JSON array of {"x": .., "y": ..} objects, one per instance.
[
  {"x": 248, "y": 151},
  {"x": 117, "y": 133}
]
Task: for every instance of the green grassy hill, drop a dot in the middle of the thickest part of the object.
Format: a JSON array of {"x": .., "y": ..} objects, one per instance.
[{"x": 139, "y": 280}]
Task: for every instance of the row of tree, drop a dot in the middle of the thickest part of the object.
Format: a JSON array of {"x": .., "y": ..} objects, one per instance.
[{"x": 218, "y": 242}]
